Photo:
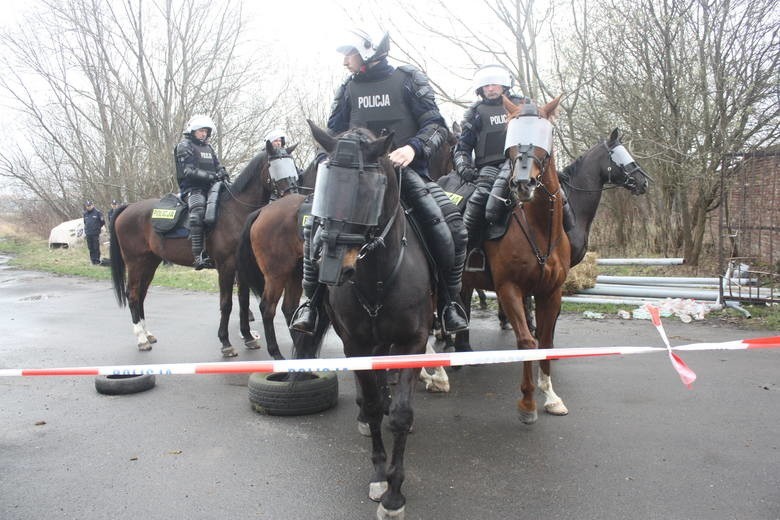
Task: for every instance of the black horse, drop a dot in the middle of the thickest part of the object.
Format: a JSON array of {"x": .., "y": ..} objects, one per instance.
[
  {"x": 607, "y": 164},
  {"x": 383, "y": 302}
]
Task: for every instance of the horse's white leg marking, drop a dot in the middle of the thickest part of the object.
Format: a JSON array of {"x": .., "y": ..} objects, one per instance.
[
  {"x": 438, "y": 382},
  {"x": 552, "y": 404},
  {"x": 376, "y": 490},
  {"x": 141, "y": 336},
  {"x": 149, "y": 336}
]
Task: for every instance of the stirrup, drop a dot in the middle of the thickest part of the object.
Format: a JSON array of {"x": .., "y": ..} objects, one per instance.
[
  {"x": 461, "y": 313},
  {"x": 479, "y": 266},
  {"x": 305, "y": 324},
  {"x": 203, "y": 261}
]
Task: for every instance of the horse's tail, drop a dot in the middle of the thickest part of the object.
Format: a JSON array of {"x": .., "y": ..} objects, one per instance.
[
  {"x": 117, "y": 261},
  {"x": 248, "y": 271}
]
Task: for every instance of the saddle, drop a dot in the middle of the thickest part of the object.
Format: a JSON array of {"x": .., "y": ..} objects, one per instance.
[
  {"x": 458, "y": 190},
  {"x": 169, "y": 215}
]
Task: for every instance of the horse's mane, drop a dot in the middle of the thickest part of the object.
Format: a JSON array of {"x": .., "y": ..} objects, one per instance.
[{"x": 241, "y": 182}]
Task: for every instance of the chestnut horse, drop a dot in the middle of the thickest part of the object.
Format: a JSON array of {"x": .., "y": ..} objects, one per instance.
[
  {"x": 533, "y": 257},
  {"x": 137, "y": 250}
]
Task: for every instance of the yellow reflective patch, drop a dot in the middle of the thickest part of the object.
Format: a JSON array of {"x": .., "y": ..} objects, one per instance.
[
  {"x": 454, "y": 197},
  {"x": 306, "y": 220},
  {"x": 167, "y": 214}
]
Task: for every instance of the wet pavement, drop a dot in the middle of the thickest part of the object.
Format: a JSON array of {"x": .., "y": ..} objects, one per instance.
[{"x": 636, "y": 444}]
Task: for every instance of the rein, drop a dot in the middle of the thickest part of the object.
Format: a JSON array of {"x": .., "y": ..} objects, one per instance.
[
  {"x": 529, "y": 233},
  {"x": 566, "y": 179}
]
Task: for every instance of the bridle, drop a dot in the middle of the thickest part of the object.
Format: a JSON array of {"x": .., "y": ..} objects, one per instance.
[{"x": 620, "y": 161}]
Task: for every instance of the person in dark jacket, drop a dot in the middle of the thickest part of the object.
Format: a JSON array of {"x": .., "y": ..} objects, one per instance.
[
  {"x": 93, "y": 223},
  {"x": 387, "y": 99},
  {"x": 479, "y": 154},
  {"x": 197, "y": 168},
  {"x": 111, "y": 212}
]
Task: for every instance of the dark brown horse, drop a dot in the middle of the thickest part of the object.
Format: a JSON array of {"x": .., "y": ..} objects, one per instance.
[
  {"x": 383, "y": 302},
  {"x": 533, "y": 257},
  {"x": 137, "y": 250}
]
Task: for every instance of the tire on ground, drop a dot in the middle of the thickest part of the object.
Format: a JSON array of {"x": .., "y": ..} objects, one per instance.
[
  {"x": 123, "y": 384},
  {"x": 274, "y": 394}
]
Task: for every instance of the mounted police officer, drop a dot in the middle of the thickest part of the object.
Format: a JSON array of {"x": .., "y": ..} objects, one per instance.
[
  {"x": 483, "y": 135},
  {"x": 197, "y": 169},
  {"x": 386, "y": 99}
]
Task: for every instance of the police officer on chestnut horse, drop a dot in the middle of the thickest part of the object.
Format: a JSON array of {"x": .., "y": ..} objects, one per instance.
[
  {"x": 197, "y": 168},
  {"x": 400, "y": 100}
]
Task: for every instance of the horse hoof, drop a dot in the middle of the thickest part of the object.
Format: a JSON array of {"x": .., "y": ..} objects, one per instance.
[
  {"x": 376, "y": 490},
  {"x": 437, "y": 387},
  {"x": 151, "y": 339},
  {"x": 363, "y": 429},
  {"x": 252, "y": 344},
  {"x": 229, "y": 352},
  {"x": 144, "y": 347},
  {"x": 385, "y": 514},
  {"x": 527, "y": 417},
  {"x": 557, "y": 408}
]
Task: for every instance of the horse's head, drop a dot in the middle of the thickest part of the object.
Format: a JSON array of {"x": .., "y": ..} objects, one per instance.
[
  {"x": 528, "y": 145},
  {"x": 623, "y": 169},
  {"x": 282, "y": 172},
  {"x": 350, "y": 197}
]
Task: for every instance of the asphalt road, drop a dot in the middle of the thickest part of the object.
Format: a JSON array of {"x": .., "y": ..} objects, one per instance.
[{"x": 636, "y": 444}]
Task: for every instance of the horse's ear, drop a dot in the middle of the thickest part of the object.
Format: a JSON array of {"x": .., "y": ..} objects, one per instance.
[
  {"x": 552, "y": 109},
  {"x": 381, "y": 146},
  {"x": 291, "y": 148},
  {"x": 613, "y": 137},
  {"x": 456, "y": 128},
  {"x": 510, "y": 107},
  {"x": 321, "y": 137},
  {"x": 269, "y": 148}
]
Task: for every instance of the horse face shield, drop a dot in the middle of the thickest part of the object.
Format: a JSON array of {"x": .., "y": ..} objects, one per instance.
[
  {"x": 284, "y": 174},
  {"x": 635, "y": 179},
  {"x": 348, "y": 199},
  {"x": 528, "y": 142}
]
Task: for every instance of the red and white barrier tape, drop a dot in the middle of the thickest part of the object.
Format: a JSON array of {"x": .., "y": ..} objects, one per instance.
[{"x": 409, "y": 361}]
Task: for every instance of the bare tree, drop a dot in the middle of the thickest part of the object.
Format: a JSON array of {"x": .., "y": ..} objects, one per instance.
[{"x": 106, "y": 88}]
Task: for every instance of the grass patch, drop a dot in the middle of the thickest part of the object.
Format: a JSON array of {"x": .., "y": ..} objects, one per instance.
[{"x": 35, "y": 255}]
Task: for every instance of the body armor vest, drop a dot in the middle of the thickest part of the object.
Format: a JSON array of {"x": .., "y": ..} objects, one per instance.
[
  {"x": 379, "y": 106},
  {"x": 489, "y": 149},
  {"x": 205, "y": 160}
]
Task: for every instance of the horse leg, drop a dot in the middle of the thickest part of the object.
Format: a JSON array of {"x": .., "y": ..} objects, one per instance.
[
  {"x": 401, "y": 419},
  {"x": 139, "y": 276},
  {"x": 512, "y": 298},
  {"x": 370, "y": 402},
  {"x": 438, "y": 382},
  {"x": 547, "y": 311},
  {"x": 226, "y": 277},
  {"x": 251, "y": 341},
  {"x": 268, "y": 303}
]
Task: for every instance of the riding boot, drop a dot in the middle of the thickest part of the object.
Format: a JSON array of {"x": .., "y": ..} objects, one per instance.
[
  {"x": 197, "y": 202},
  {"x": 446, "y": 235},
  {"x": 307, "y": 314},
  {"x": 499, "y": 203},
  {"x": 474, "y": 218},
  {"x": 202, "y": 261}
]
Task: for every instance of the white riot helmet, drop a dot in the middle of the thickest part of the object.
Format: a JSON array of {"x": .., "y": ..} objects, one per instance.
[
  {"x": 492, "y": 75},
  {"x": 370, "y": 48},
  {"x": 275, "y": 134},
  {"x": 199, "y": 121}
]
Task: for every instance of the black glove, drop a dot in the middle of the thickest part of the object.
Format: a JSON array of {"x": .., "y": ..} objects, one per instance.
[
  {"x": 222, "y": 174},
  {"x": 464, "y": 167}
]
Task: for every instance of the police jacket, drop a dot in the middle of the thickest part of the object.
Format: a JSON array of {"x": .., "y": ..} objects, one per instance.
[
  {"x": 388, "y": 99},
  {"x": 197, "y": 164},
  {"x": 93, "y": 221},
  {"x": 483, "y": 131}
]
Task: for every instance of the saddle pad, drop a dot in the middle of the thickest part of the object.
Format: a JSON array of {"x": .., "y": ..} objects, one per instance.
[
  {"x": 457, "y": 189},
  {"x": 168, "y": 217}
]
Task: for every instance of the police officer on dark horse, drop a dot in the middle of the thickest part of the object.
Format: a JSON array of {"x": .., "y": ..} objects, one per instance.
[
  {"x": 386, "y": 99},
  {"x": 197, "y": 169}
]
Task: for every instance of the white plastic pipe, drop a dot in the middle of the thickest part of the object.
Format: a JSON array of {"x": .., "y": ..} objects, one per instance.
[{"x": 640, "y": 261}]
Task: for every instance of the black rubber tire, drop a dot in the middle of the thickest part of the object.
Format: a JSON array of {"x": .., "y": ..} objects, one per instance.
[
  {"x": 124, "y": 384},
  {"x": 273, "y": 394}
]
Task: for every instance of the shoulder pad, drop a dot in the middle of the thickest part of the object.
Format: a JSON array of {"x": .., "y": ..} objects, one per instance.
[{"x": 421, "y": 86}]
